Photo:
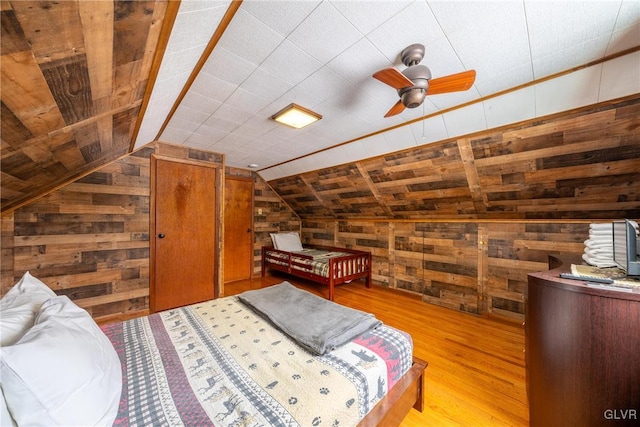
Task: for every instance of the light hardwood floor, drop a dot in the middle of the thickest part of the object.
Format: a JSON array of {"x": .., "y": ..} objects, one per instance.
[{"x": 476, "y": 373}]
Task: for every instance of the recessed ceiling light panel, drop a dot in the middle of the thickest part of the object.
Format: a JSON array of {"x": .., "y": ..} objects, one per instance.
[{"x": 296, "y": 116}]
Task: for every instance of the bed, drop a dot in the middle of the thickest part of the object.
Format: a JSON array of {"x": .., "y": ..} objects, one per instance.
[
  {"x": 233, "y": 361},
  {"x": 328, "y": 265}
]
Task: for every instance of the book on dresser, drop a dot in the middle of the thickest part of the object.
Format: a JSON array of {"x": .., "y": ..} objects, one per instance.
[{"x": 618, "y": 278}]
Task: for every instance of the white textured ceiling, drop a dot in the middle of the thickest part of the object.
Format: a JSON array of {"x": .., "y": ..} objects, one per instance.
[{"x": 321, "y": 55}]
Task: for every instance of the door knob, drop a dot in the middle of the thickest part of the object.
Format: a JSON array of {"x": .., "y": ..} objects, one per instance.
[
  {"x": 161, "y": 236},
  {"x": 248, "y": 230}
]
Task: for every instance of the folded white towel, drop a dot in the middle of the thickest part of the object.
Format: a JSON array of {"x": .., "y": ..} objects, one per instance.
[
  {"x": 599, "y": 252},
  {"x": 602, "y": 233},
  {"x": 598, "y": 263},
  {"x": 598, "y": 244},
  {"x": 600, "y": 241},
  {"x": 601, "y": 226},
  {"x": 599, "y": 258}
]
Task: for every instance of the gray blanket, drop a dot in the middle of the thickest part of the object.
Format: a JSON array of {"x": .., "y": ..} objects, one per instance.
[{"x": 316, "y": 324}]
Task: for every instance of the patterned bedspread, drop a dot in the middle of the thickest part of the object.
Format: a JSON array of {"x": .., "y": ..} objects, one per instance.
[
  {"x": 218, "y": 363},
  {"x": 319, "y": 265}
]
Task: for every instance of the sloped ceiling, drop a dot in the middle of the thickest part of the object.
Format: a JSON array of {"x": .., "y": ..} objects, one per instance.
[
  {"x": 85, "y": 82},
  {"x": 74, "y": 75},
  {"x": 583, "y": 165}
]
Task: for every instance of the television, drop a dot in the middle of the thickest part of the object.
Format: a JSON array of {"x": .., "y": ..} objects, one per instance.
[{"x": 625, "y": 247}]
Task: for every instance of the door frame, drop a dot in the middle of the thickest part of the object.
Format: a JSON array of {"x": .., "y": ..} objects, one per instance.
[{"x": 219, "y": 188}]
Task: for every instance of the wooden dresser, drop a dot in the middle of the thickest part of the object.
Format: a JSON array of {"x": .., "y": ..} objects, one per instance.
[{"x": 582, "y": 352}]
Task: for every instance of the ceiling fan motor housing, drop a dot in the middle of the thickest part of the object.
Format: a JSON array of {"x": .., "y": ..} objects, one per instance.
[
  {"x": 413, "y": 96},
  {"x": 414, "y": 82},
  {"x": 412, "y": 54}
]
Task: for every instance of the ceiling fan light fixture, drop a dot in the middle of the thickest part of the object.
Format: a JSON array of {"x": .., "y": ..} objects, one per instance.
[
  {"x": 296, "y": 116},
  {"x": 414, "y": 83},
  {"x": 412, "y": 98}
]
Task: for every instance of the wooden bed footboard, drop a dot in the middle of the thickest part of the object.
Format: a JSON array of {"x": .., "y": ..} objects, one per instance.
[
  {"x": 342, "y": 269},
  {"x": 408, "y": 392}
]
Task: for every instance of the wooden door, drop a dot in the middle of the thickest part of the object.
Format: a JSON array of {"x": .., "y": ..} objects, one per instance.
[
  {"x": 183, "y": 267},
  {"x": 238, "y": 225}
]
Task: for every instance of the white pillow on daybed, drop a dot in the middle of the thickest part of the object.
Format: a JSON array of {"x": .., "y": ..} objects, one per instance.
[
  {"x": 63, "y": 371},
  {"x": 289, "y": 242},
  {"x": 18, "y": 308}
]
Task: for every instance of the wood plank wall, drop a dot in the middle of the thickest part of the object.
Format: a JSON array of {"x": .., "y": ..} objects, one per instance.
[
  {"x": 583, "y": 164},
  {"x": 473, "y": 266},
  {"x": 74, "y": 75},
  {"x": 462, "y": 222},
  {"x": 90, "y": 239},
  {"x": 6, "y": 253}
]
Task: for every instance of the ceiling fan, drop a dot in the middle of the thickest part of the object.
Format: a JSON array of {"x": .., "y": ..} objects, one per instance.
[{"x": 415, "y": 81}]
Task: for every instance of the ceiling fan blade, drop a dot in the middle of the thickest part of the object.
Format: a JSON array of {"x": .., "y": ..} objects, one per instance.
[
  {"x": 452, "y": 83},
  {"x": 396, "y": 109},
  {"x": 393, "y": 78}
]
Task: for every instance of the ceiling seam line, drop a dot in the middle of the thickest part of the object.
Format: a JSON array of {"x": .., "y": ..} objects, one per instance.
[
  {"x": 285, "y": 38},
  {"x": 234, "y": 6},
  {"x": 466, "y": 104},
  {"x": 533, "y": 75}
]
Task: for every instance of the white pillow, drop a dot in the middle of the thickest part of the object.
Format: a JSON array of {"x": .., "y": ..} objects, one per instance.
[
  {"x": 5, "y": 417},
  {"x": 18, "y": 308},
  {"x": 289, "y": 242},
  {"x": 64, "y": 370},
  {"x": 274, "y": 239}
]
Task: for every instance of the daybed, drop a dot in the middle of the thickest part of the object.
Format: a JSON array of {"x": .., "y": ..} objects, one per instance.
[
  {"x": 234, "y": 361},
  {"x": 327, "y": 265}
]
